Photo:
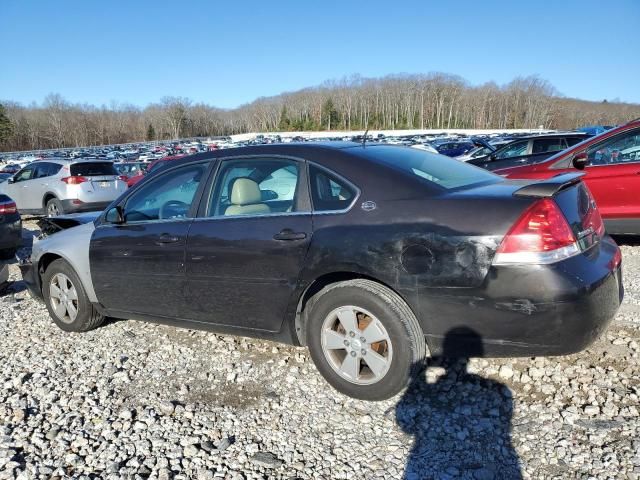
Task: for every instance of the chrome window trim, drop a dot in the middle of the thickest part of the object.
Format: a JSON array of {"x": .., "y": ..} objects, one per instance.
[{"x": 269, "y": 215}]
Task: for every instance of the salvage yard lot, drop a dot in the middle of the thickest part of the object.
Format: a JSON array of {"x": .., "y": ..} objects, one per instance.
[{"x": 133, "y": 398}]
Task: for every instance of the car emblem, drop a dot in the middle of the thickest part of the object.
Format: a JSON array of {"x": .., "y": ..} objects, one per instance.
[{"x": 369, "y": 205}]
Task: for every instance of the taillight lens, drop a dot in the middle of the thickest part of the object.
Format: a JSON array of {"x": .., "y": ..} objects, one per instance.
[
  {"x": 541, "y": 235},
  {"x": 8, "y": 207},
  {"x": 75, "y": 180}
]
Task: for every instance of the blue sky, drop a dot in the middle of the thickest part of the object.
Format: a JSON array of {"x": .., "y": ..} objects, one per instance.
[{"x": 229, "y": 53}]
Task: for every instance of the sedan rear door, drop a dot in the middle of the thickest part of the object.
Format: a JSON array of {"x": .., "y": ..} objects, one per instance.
[{"x": 245, "y": 254}]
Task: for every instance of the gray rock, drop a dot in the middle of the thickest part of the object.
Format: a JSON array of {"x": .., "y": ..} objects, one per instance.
[{"x": 265, "y": 459}]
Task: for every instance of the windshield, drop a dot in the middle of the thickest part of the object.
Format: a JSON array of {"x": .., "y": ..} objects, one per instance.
[{"x": 443, "y": 171}]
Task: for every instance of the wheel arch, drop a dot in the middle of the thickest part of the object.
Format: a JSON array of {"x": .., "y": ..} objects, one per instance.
[
  {"x": 45, "y": 199},
  {"x": 299, "y": 333}
]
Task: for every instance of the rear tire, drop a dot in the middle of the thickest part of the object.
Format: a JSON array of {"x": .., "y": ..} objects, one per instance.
[
  {"x": 54, "y": 208},
  {"x": 66, "y": 299},
  {"x": 364, "y": 339}
]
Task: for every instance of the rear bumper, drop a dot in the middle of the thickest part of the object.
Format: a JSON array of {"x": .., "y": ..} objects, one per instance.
[
  {"x": 529, "y": 311},
  {"x": 77, "y": 206}
]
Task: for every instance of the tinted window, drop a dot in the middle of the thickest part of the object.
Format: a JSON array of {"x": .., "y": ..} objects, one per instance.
[
  {"x": 169, "y": 196},
  {"x": 620, "y": 149},
  {"x": 255, "y": 187},
  {"x": 543, "y": 145},
  {"x": 445, "y": 172},
  {"x": 329, "y": 192},
  {"x": 514, "y": 149},
  {"x": 93, "y": 169},
  {"x": 571, "y": 141},
  {"x": 41, "y": 170}
]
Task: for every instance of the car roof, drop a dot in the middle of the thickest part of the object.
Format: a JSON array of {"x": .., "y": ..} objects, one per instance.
[
  {"x": 551, "y": 135},
  {"x": 69, "y": 161}
]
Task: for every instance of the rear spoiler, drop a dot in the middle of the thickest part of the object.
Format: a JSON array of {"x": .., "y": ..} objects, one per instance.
[{"x": 550, "y": 186}]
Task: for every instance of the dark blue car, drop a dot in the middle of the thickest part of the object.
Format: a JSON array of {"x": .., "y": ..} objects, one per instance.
[{"x": 454, "y": 148}]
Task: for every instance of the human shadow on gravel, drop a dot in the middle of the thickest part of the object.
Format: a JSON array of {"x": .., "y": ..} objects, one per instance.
[{"x": 461, "y": 424}]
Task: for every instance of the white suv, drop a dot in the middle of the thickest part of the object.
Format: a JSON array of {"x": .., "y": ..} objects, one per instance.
[{"x": 57, "y": 186}]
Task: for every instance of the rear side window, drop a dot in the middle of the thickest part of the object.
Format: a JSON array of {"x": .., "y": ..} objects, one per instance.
[
  {"x": 544, "y": 145},
  {"x": 443, "y": 171},
  {"x": 575, "y": 140},
  {"x": 93, "y": 169},
  {"x": 328, "y": 192}
]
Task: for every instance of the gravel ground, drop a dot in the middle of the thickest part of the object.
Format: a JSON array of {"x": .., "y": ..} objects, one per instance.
[{"x": 137, "y": 400}]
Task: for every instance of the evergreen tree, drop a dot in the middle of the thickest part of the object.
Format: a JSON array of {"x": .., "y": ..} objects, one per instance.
[
  {"x": 285, "y": 124},
  {"x": 330, "y": 116},
  {"x": 151, "y": 133},
  {"x": 6, "y": 127}
]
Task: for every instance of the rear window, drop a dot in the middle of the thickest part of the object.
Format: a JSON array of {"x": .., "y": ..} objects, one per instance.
[
  {"x": 93, "y": 169},
  {"x": 443, "y": 171}
]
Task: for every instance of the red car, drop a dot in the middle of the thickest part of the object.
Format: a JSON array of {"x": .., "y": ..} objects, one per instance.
[
  {"x": 611, "y": 163},
  {"x": 131, "y": 181}
]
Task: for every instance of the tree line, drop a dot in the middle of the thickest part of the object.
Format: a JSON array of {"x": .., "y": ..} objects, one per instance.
[{"x": 405, "y": 101}]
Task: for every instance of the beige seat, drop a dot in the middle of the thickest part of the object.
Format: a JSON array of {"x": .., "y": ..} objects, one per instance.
[{"x": 246, "y": 199}]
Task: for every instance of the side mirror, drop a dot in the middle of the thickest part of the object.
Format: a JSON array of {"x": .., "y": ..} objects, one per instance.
[
  {"x": 11, "y": 180},
  {"x": 579, "y": 160},
  {"x": 115, "y": 215},
  {"x": 492, "y": 157}
]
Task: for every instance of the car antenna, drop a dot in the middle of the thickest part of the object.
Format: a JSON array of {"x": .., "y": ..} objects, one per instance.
[{"x": 364, "y": 138}]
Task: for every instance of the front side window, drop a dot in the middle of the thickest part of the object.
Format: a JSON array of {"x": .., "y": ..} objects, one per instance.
[
  {"x": 168, "y": 197},
  {"x": 620, "y": 149},
  {"x": 255, "y": 187},
  {"x": 515, "y": 149},
  {"x": 328, "y": 192},
  {"x": 24, "y": 174}
]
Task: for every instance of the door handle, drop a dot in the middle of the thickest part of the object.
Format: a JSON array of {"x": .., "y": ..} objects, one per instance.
[
  {"x": 287, "y": 235},
  {"x": 165, "y": 238}
]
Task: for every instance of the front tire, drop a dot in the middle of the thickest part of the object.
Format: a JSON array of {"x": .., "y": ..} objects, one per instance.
[
  {"x": 364, "y": 339},
  {"x": 66, "y": 299},
  {"x": 54, "y": 208}
]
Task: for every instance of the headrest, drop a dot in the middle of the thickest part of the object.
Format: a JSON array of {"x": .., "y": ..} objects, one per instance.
[{"x": 245, "y": 192}]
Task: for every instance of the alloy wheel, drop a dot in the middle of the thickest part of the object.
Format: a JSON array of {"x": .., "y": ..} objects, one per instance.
[
  {"x": 63, "y": 297},
  {"x": 356, "y": 345},
  {"x": 52, "y": 210}
]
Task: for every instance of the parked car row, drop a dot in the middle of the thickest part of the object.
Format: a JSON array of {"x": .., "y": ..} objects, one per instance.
[{"x": 611, "y": 166}]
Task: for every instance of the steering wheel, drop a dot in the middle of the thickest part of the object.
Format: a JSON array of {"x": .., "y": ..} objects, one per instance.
[{"x": 166, "y": 208}]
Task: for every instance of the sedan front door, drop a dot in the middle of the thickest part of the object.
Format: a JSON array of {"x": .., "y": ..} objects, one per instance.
[
  {"x": 137, "y": 265},
  {"x": 18, "y": 187}
]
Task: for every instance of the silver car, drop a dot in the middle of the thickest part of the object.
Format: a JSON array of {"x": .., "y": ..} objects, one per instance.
[{"x": 57, "y": 186}]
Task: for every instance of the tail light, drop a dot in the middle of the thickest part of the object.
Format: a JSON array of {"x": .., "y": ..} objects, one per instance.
[
  {"x": 541, "y": 235},
  {"x": 74, "y": 180},
  {"x": 7, "y": 208}
]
